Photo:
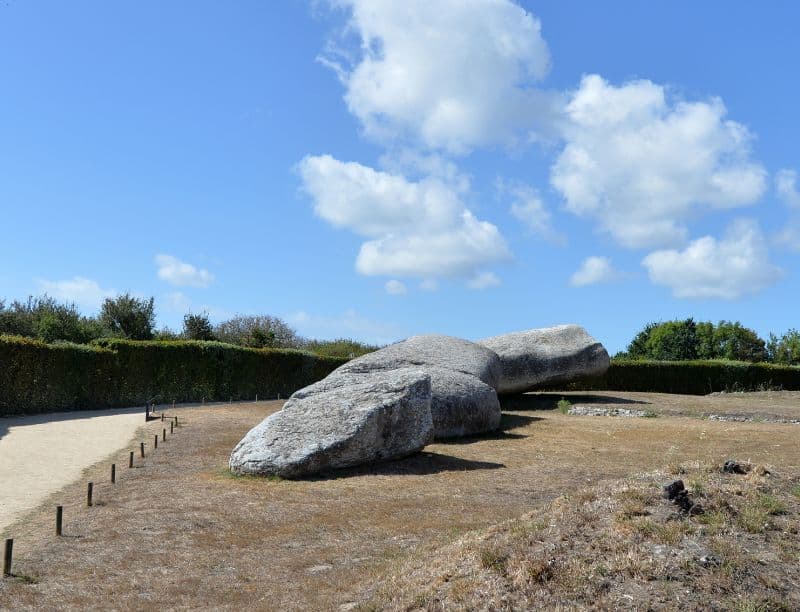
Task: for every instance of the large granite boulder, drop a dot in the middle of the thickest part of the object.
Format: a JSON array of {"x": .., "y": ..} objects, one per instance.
[
  {"x": 463, "y": 380},
  {"x": 538, "y": 357},
  {"x": 341, "y": 422},
  {"x": 461, "y": 404},
  {"x": 431, "y": 350}
]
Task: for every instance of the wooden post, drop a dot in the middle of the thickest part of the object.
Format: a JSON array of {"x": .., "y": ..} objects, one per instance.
[
  {"x": 89, "y": 494},
  {"x": 141, "y": 449},
  {"x": 162, "y": 416},
  {"x": 113, "y": 473},
  {"x": 59, "y": 519},
  {"x": 172, "y": 427},
  {"x": 130, "y": 460},
  {"x": 7, "y": 557},
  {"x": 176, "y": 421},
  {"x": 256, "y": 398},
  {"x": 155, "y": 445},
  {"x": 163, "y": 435}
]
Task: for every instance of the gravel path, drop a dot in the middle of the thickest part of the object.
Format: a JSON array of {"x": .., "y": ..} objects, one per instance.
[{"x": 41, "y": 454}]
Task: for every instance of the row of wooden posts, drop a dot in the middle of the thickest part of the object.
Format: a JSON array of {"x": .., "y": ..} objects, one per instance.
[{"x": 9, "y": 549}]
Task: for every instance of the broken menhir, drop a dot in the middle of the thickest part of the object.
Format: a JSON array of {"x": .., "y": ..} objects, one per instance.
[
  {"x": 341, "y": 423},
  {"x": 537, "y": 357}
]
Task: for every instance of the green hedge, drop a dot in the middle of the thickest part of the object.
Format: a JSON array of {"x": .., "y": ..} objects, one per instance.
[
  {"x": 692, "y": 377},
  {"x": 37, "y": 377}
]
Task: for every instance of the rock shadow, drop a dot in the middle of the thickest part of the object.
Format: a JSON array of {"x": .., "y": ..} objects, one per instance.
[
  {"x": 549, "y": 401},
  {"x": 421, "y": 464},
  {"x": 507, "y": 422}
]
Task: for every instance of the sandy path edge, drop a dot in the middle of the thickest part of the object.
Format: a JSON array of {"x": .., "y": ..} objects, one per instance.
[{"x": 40, "y": 455}]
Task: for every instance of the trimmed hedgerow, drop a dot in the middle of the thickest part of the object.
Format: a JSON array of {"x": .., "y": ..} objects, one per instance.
[
  {"x": 37, "y": 377},
  {"x": 692, "y": 377}
]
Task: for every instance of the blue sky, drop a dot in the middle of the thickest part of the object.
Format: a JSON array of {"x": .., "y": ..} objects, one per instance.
[{"x": 376, "y": 169}]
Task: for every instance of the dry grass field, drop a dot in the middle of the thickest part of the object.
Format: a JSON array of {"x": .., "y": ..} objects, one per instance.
[{"x": 179, "y": 532}]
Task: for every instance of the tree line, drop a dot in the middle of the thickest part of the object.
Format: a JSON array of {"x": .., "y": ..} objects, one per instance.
[
  {"x": 134, "y": 318},
  {"x": 687, "y": 339}
]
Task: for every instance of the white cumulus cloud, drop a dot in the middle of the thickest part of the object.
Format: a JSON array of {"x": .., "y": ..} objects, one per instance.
[
  {"x": 483, "y": 280},
  {"x": 450, "y": 74},
  {"x": 594, "y": 270},
  {"x": 709, "y": 268},
  {"x": 640, "y": 163},
  {"x": 395, "y": 287},
  {"x": 83, "y": 292},
  {"x": 414, "y": 228},
  {"x": 786, "y": 186},
  {"x": 182, "y": 274},
  {"x": 528, "y": 208}
]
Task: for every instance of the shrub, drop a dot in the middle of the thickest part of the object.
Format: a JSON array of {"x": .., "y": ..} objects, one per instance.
[
  {"x": 343, "y": 348},
  {"x": 44, "y": 318},
  {"x": 691, "y": 377},
  {"x": 37, "y": 377},
  {"x": 129, "y": 316},
  {"x": 257, "y": 331},
  {"x": 197, "y": 327},
  {"x": 687, "y": 340},
  {"x": 785, "y": 349}
]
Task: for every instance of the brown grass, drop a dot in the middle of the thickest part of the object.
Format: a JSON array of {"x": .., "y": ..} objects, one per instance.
[
  {"x": 620, "y": 546},
  {"x": 180, "y": 532}
]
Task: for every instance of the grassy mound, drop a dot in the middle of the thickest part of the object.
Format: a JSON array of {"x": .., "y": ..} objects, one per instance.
[{"x": 620, "y": 545}]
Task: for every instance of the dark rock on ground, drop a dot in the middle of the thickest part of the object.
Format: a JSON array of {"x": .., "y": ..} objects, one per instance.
[{"x": 734, "y": 467}]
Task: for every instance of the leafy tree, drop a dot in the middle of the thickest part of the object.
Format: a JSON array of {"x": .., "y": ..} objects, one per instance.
[
  {"x": 197, "y": 327},
  {"x": 706, "y": 345},
  {"x": 257, "y": 331},
  {"x": 637, "y": 349},
  {"x": 16, "y": 319},
  {"x": 673, "y": 340},
  {"x": 736, "y": 342},
  {"x": 676, "y": 340},
  {"x": 786, "y": 349},
  {"x": 129, "y": 317},
  {"x": 44, "y": 318}
]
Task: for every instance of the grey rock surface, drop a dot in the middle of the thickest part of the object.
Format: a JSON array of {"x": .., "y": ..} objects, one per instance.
[
  {"x": 548, "y": 355},
  {"x": 463, "y": 378},
  {"x": 461, "y": 404},
  {"x": 431, "y": 350},
  {"x": 341, "y": 422}
]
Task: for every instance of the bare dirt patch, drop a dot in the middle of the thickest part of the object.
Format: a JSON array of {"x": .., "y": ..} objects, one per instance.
[{"x": 180, "y": 532}]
